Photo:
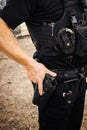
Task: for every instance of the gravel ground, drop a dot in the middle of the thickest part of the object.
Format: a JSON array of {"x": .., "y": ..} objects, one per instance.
[{"x": 16, "y": 109}]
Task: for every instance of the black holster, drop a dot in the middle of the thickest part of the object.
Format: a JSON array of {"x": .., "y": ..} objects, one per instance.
[{"x": 49, "y": 86}]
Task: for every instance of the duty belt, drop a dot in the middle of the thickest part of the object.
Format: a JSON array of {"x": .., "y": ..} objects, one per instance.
[{"x": 70, "y": 75}]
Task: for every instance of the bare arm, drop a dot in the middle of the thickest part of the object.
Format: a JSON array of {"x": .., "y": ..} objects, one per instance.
[{"x": 9, "y": 45}]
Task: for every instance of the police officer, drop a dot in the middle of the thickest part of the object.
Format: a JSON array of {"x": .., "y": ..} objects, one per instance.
[{"x": 44, "y": 20}]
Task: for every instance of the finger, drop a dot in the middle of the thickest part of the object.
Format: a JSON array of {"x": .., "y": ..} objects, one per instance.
[
  {"x": 52, "y": 73},
  {"x": 40, "y": 87}
]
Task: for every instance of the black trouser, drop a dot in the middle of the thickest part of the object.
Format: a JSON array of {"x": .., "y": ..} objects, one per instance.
[{"x": 61, "y": 114}]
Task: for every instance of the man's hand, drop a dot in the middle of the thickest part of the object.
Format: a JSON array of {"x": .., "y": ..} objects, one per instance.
[{"x": 37, "y": 74}]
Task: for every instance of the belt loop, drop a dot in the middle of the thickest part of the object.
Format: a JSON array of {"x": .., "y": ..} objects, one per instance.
[{"x": 82, "y": 72}]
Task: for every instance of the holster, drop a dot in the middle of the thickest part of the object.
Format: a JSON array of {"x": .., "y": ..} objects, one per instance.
[{"x": 49, "y": 86}]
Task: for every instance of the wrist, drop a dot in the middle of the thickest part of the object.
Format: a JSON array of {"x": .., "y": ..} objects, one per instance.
[{"x": 29, "y": 63}]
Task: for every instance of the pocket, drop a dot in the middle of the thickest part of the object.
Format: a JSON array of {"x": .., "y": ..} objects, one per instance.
[
  {"x": 67, "y": 93},
  {"x": 81, "y": 41}
]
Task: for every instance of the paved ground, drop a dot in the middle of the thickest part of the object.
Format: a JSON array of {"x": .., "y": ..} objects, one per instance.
[{"x": 16, "y": 109}]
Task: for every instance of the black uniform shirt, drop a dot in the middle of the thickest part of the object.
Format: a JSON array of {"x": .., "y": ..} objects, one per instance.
[{"x": 18, "y": 11}]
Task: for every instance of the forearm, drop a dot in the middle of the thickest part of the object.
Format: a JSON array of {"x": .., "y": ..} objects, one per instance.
[{"x": 9, "y": 45}]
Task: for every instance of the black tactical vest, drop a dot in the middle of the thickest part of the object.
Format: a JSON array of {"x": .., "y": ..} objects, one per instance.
[{"x": 43, "y": 35}]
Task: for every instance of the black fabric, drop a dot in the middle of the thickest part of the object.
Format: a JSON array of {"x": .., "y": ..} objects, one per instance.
[
  {"x": 18, "y": 11},
  {"x": 59, "y": 114},
  {"x": 0, "y": 12},
  {"x": 55, "y": 62}
]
